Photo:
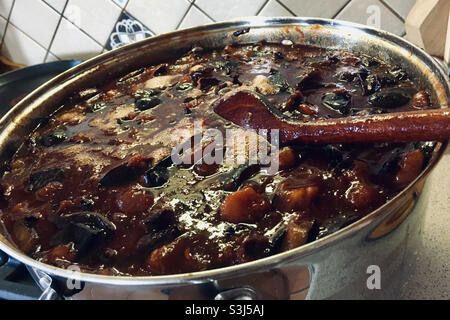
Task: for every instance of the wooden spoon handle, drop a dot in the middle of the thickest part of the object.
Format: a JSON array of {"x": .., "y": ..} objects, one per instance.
[
  {"x": 423, "y": 125},
  {"x": 250, "y": 111}
]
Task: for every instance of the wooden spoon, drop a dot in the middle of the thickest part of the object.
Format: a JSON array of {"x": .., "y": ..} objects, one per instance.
[{"x": 252, "y": 111}]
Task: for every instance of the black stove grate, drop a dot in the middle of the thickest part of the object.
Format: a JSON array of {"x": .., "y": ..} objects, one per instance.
[{"x": 15, "y": 281}]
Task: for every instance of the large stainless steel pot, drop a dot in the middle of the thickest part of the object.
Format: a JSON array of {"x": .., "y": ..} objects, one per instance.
[{"x": 342, "y": 265}]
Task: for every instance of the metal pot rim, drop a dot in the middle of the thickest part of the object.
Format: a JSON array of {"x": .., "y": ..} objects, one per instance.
[{"x": 254, "y": 266}]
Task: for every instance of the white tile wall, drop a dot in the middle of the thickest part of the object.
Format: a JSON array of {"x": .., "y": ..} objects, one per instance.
[
  {"x": 274, "y": 9},
  {"x": 58, "y": 5},
  {"x": 35, "y": 31},
  {"x": 402, "y": 7},
  {"x": 158, "y": 15},
  {"x": 315, "y": 8},
  {"x": 225, "y": 10},
  {"x": 97, "y": 18},
  {"x": 121, "y": 3},
  {"x": 194, "y": 17},
  {"x": 36, "y": 19},
  {"x": 20, "y": 48},
  {"x": 51, "y": 58},
  {"x": 71, "y": 42},
  {"x": 5, "y": 7},
  {"x": 372, "y": 13}
]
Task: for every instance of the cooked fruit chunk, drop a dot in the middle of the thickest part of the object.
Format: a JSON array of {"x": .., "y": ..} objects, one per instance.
[
  {"x": 293, "y": 198},
  {"x": 297, "y": 234},
  {"x": 244, "y": 206},
  {"x": 409, "y": 168}
]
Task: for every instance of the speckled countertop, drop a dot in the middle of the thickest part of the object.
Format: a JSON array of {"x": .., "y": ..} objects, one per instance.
[{"x": 430, "y": 275}]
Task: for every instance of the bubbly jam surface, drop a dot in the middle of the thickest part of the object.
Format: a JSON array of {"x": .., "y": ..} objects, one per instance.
[{"x": 95, "y": 184}]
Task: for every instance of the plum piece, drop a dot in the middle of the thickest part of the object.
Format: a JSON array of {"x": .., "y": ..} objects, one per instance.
[
  {"x": 371, "y": 84},
  {"x": 360, "y": 192},
  {"x": 401, "y": 168},
  {"x": 53, "y": 138},
  {"x": 159, "y": 174},
  {"x": 64, "y": 252},
  {"x": 410, "y": 167},
  {"x": 297, "y": 234},
  {"x": 293, "y": 102},
  {"x": 308, "y": 109},
  {"x": 87, "y": 231},
  {"x": 206, "y": 170},
  {"x": 134, "y": 201},
  {"x": 338, "y": 101},
  {"x": 146, "y": 93},
  {"x": 225, "y": 66},
  {"x": 160, "y": 70},
  {"x": 233, "y": 180},
  {"x": 40, "y": 179},
  {"x": 156, "y": 239},
  {"x": 48, "y": 192},
  {"x": 159, "y": 219},
  {"x": 25, "y": 237},
  {"x": 146, "y": 103},
  {"x": 293, "y": 198},
  {"x": 156, "y": 177},
  {"x": 279, "y": 82},
  {"x": 421, "y": 100},
  {"x": 311, "y": 79},
  {"x": 205, "y": 84},
  {"x": 287, "y": 158},
  {"x": 369, "y": 62},
  {"x": 174, "y": 257},
  {"x": 251, "y": 247},
  {"x": 125, "y": 173},
  {"x": 245, "y": 205},
  {"x": 390, "y": 98},
  {"x": 86, "y": 204},
  {"x": 120, "y": 175}
]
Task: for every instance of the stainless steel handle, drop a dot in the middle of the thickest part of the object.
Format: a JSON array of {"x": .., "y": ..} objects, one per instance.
[
  {"x": 241, "y": 293},
  {"x": 44, "y": 281}
]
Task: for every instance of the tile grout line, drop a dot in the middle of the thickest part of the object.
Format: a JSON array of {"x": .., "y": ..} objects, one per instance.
[
  {"x": 287, "y": 8},
  {"x": 54, "y": 9},
  {"x": 115, "y": 24},
  {"x": 40, "y": 45},
  {"x": 202, "y": 11},
  {"x": 7, "y": 24},
  {"x": 392, "y": 11},
  {"x": 262, "y": 7},
  {"x": 78, "y": 28},
  {"x": 341, "y": 9},
  {"x": 56, "y": 30},
  {"x": 129, "y": 14},
  {"x": 185, "y": 14}
]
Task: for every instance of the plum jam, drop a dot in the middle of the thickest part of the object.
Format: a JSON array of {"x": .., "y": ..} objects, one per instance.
[{"x": 96, "y": 185}]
